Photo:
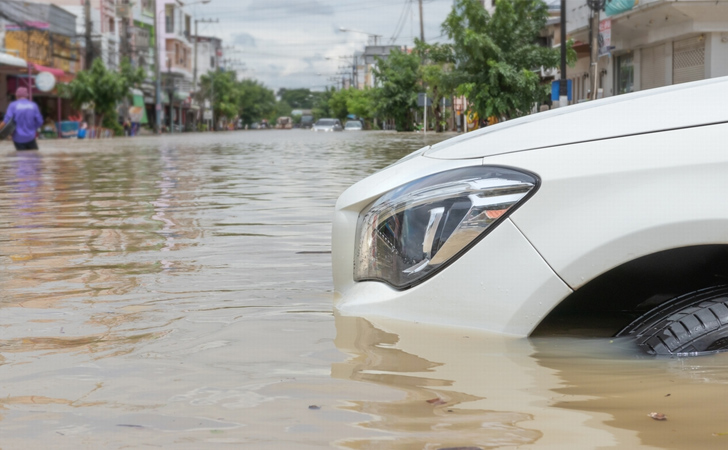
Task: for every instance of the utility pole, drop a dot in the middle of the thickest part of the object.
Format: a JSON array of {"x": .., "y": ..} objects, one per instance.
[
  {"x": 563, "y": 86},
  {"x": 89, "y": 31},
  {"x": 354, "y": 74},
  {"x": 595, "y": 6},
  {"x": 170, "y": 86},
  {"x": 422, "y": 25},
  {"x": 157, "y": 76}
]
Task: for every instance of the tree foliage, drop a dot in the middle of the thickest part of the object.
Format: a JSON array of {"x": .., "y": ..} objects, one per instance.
[
  {"x": 396, "y": 97},
  {"x": 321, "y": 106},
  {"x": 495, "y": 56},
  {"x": 437, "y": 76},
  {"x": 222, "y": 88},
  {"x": 298, "y": 98},
  {"x": 255, "y": 101},
  {"x": 103, "y": 89}
]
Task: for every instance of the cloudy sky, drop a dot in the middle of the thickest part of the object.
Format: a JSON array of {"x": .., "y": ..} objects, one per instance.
[{"x": 298, "y": 43}]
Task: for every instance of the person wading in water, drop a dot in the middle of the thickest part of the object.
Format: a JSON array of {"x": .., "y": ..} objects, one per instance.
[{"x": 27, "y": 118}]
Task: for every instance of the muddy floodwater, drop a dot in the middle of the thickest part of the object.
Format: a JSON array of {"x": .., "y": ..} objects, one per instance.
[{"x": 176, "y": 293}]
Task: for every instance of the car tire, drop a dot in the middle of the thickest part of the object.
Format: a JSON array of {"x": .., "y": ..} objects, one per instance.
[{"x": 692, "y": 324}]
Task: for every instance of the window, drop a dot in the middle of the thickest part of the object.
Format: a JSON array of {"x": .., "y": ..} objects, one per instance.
[
  {"x": 625, "y": 73},
  {"x": 169, "y": 18},
  {"x": 212, "y": 62}
]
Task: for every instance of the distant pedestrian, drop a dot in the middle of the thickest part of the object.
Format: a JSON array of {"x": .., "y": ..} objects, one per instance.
[
  {"x": 82, "y": 131},
  {"x": 27, "y": 118}
]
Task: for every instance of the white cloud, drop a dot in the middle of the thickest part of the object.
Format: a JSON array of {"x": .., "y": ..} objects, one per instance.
[{"x": 285, "y": 43}]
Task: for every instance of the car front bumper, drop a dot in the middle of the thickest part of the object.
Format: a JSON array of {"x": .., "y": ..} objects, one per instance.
[{"x": 502, "y": 284}]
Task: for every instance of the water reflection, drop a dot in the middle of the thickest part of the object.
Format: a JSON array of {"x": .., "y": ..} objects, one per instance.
[
  {"x": 612, "y": 379},
  {"x": 460, "y": 389}
]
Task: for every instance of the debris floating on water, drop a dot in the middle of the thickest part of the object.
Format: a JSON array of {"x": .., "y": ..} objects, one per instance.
[{"x": 657, "y": 416}]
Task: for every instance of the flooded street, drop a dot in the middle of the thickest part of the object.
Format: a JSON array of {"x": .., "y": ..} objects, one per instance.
[{"x": 176, "y": 293}]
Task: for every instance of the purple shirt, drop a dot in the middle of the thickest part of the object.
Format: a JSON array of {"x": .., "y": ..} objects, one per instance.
[{"x": 27, "y": 119}]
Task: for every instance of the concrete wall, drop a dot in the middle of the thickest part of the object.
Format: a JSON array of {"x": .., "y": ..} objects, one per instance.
[{"x": 716, "y": 55}]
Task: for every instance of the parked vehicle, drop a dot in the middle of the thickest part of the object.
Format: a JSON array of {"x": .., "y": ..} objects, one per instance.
[
  {"x": 306, "y": 121},
  {"x": 328, "y": 125},
  {"x": 612, "y": 209},
  {"x": 284, "y": 123},
  {"x": 353, "y": 125}
]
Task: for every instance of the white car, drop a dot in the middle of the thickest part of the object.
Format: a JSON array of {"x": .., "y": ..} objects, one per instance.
[
  {"x": 327, "y": 125},
  {"x": 613, "y": 209},
  {"x": 353, "y": 125}
]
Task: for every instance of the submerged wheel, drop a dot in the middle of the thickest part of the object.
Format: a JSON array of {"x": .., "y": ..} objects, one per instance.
[{"x": 689, "y": 325}]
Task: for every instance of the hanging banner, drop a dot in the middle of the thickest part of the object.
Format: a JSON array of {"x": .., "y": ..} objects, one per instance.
[{"x": 605, "y": 37}]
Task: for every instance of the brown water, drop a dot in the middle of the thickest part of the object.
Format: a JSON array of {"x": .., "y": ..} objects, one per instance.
[{"x": 176, "y": 293}]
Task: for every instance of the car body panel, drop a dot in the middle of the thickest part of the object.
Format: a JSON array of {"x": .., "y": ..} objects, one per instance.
[
  {"x": 593, "y": 214},
  {"x": 498, "y": 298},
  {"x": 643, "y": 112},
  {"x": 603, "y": 201}
]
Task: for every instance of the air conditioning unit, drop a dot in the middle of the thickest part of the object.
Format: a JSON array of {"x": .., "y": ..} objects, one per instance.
[{"x": 550, "y": 72}]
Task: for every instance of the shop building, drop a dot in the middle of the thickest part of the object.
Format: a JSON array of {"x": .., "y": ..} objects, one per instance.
[{"x": 649, "y": 43}]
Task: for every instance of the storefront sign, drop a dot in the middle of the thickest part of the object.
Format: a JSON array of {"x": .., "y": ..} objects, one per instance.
[{"x": 45, "y": 81}]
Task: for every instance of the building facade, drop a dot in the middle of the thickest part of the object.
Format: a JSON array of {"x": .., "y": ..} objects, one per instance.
[
  {"x": 648, "y": 44},
  {"x": 175, "y": 61},
  {"x": 43, "y": 37}
]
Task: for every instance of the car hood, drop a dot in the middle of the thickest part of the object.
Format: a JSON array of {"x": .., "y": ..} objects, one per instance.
[{"x": 672, "y": 107}]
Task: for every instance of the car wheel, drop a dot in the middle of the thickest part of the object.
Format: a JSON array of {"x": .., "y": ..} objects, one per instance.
[{"x": 689, "y": 325}]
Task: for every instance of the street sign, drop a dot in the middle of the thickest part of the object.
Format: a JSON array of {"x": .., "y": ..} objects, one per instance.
[{"x": 421, "y": 99}]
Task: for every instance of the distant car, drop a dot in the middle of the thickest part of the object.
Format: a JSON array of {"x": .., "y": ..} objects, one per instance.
[
  {"x": 353, "y": 125},
  {"x": 606, "y": 218},
  {"x": 306, "y": 121},
  {"x": 328, "y": 125}
]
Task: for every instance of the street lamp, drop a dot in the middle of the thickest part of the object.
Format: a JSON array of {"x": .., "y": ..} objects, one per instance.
[
  {"x": 193, "y": 3},
  {"x": 371, "y": 35}
]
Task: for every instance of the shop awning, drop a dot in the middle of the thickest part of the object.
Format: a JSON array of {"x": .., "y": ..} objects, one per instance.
[
  {"x": 12, "y": 61},
  {"x": 58, "y": 73}
]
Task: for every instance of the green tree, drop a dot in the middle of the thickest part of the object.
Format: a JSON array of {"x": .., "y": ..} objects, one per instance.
[
  {"x": 361, "y": 103},
  {"x": 104, "y": 89},
  {"x": 437, "y": 77},
  {"x": 495, "y": 56},
  {"x": 255, "y": 101},
  {"x": 396, "y": 97},
  {"x": 337, "y": 103},
  {"x": 321, "y": 106},
  {"x": 282, "y": 109},
  {"x": 298, "y": 98},
  {"x": 221, "y": 87}
]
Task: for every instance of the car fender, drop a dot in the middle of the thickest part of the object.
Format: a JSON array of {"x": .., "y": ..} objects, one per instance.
[{"x": 605, "y": 203}]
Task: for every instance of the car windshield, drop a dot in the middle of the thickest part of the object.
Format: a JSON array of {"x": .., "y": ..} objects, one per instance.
[{"x": 326, "y": 122}]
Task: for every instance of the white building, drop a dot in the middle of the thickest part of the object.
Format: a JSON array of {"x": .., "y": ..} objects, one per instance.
[
  {"x": 650, "y": 43},
  {"x": 105, "y": 26},
  {"x": 208, "y": 58}
]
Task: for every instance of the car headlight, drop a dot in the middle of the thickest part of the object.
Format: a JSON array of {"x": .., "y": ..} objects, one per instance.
[{"x": 411, "y": 232}]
